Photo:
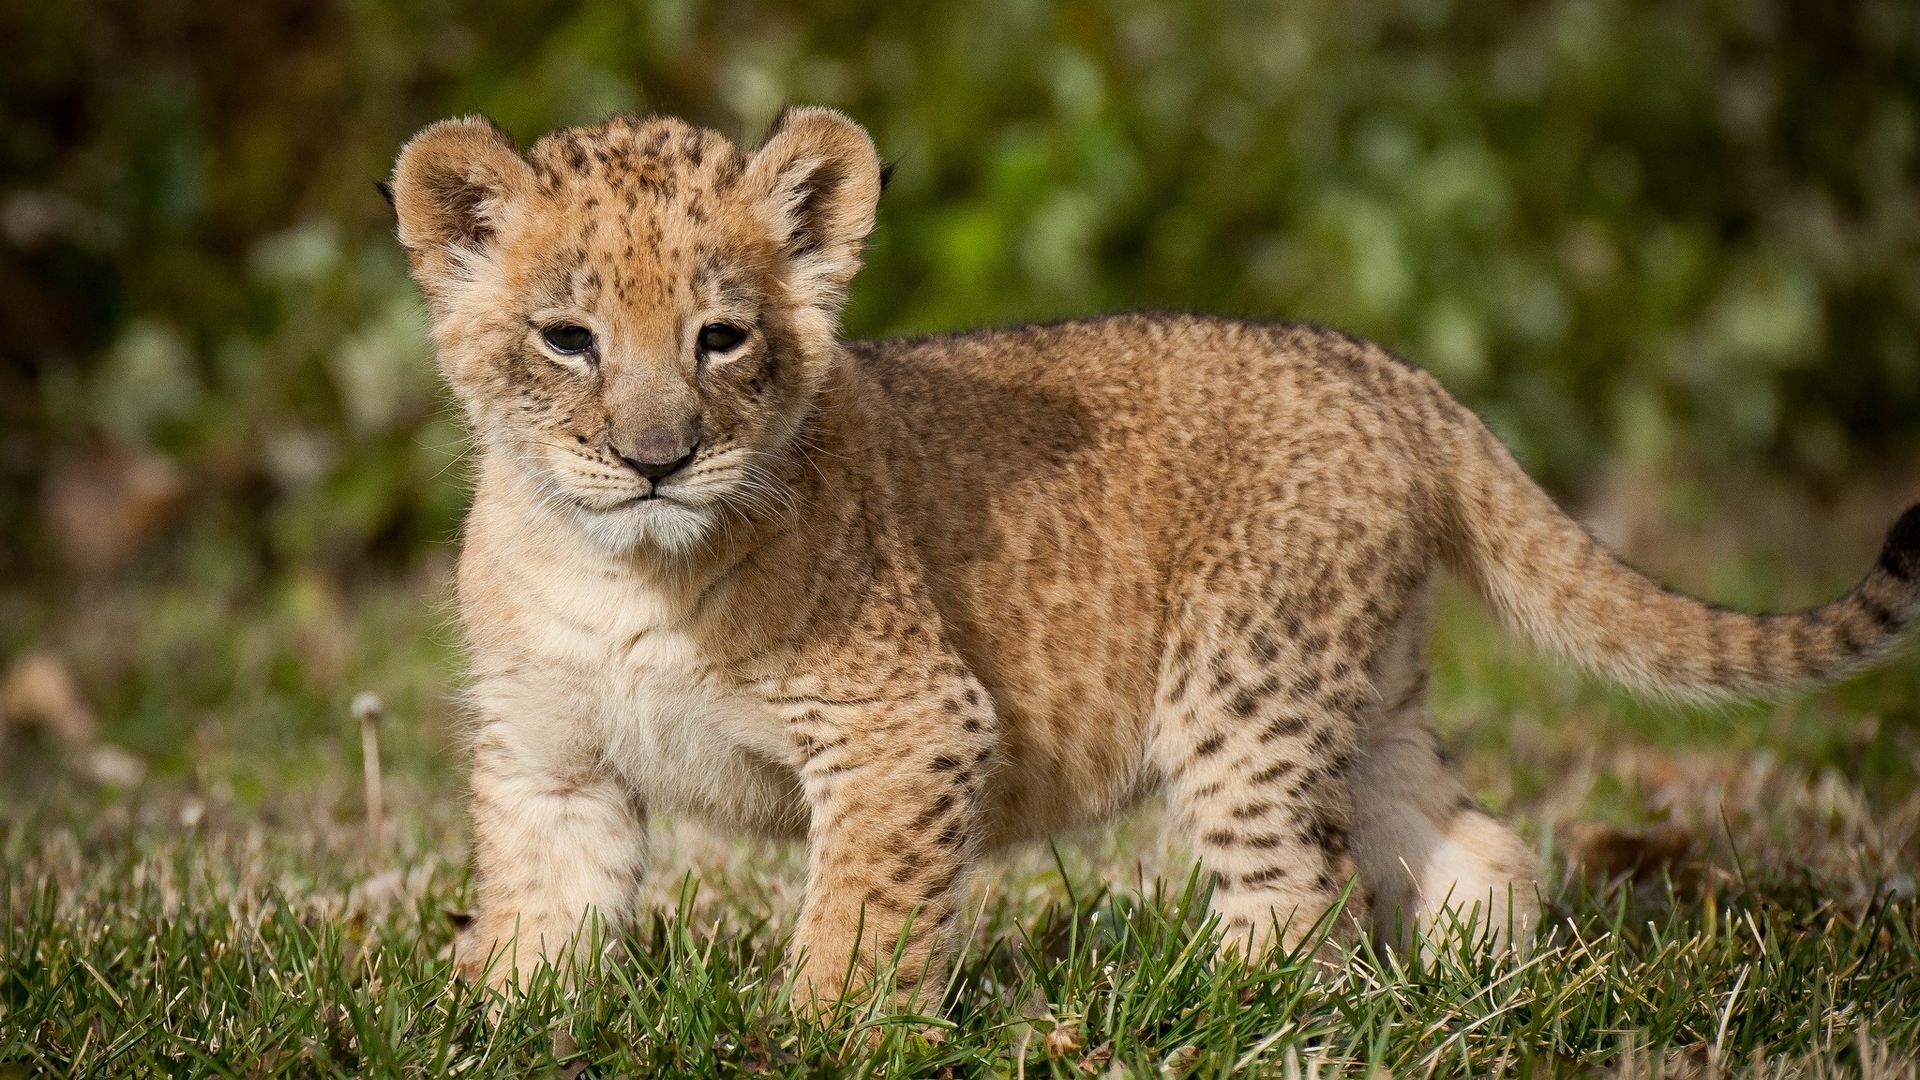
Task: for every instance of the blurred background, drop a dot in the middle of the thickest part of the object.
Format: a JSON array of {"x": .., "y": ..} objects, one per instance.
[{"x": 1670, "y": 250}]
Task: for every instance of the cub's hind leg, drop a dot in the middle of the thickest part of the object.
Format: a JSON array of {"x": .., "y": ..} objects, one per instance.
[
  {"x": 1255, "y": 738},
  {"x": 1431, "y": 859}
]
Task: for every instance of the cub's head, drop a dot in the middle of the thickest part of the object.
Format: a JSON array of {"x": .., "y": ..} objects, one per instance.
[{"x": 638, "y": 314}]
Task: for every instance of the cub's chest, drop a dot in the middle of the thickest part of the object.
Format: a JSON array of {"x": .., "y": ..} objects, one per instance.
[
  {"x": 662, "y": 698},
  {"x": 685, "y": 729}
]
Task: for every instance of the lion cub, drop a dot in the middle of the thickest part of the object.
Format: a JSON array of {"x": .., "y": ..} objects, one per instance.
[{"x": 919, "y": 600}]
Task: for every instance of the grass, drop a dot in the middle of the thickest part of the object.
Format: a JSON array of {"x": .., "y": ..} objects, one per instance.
[
  {"x": 138, "y": 946},
  {"x": 230, "y": 916}
]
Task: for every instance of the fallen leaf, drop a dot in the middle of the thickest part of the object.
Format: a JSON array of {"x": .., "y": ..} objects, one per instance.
[
  {"x": 38, "y": 689},
  {"x": 1600, "y": 852},
  {"x": 1097, "y": 1057},
  {"x": 111, "y": 766},
  {"x": 104, "y": 507},
  {"x": 567, "y": 1050}
]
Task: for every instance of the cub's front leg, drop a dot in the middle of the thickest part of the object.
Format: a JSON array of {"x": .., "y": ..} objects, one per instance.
[
  {"x": 894, "y": 793},
  {"x": 557, "y": 838}
]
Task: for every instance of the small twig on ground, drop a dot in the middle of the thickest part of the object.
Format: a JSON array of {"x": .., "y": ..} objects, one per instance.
[{"x": 367, "y": 709}]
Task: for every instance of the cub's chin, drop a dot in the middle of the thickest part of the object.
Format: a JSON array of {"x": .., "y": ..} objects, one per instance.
[{"x": 661, "y": 523}]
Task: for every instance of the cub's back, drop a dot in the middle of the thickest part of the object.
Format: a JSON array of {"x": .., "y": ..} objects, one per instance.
[{"x": 1151, "y": 421}]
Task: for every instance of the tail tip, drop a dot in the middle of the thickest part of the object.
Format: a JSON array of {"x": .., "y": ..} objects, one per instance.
[{"x": 1900, "y": 557}]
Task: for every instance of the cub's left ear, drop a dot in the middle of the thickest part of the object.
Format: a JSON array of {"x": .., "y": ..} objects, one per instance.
[{"x": 818, "y": 178}]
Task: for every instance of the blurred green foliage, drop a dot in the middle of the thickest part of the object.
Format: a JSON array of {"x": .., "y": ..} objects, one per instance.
[{"x": 1614, "y": 226}]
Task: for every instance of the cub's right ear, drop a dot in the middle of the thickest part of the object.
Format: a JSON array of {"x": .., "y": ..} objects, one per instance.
[{"x": 452, "y": 187}]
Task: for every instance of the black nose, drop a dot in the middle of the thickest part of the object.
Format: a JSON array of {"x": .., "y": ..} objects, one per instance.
[{"x": 655, "y": 465}]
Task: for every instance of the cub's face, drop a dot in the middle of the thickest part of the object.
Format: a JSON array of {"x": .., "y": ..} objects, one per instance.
[{"x": 638, "y": 314}]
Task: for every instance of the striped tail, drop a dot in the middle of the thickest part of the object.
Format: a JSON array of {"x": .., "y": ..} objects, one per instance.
[{"x": 1556, "y": 584}]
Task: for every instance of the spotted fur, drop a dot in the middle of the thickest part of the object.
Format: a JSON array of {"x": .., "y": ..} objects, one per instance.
[{"x": 918, "y": 600}]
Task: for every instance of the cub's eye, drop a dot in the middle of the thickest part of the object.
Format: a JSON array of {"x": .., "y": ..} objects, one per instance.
[
  {"x": 721, "y": 337},
  {"x": 568, "y": 338}
]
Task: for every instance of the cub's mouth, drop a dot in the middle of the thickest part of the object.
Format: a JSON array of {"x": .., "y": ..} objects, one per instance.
[
  {"x": 618, "y": 503},
  {"x": 660, "y": 498},
  {"x": 643, "y": 499}
]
